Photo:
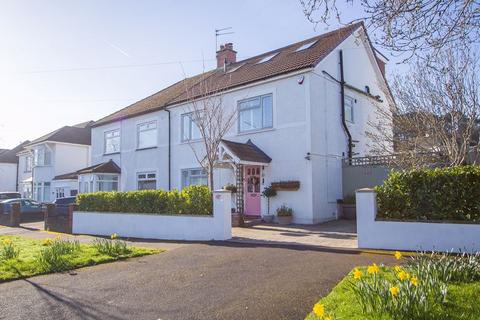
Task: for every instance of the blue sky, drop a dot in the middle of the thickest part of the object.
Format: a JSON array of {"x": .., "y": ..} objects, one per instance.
[{"x": 64, "y": 62}]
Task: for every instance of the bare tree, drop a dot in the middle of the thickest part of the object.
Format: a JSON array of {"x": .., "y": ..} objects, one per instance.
[
  {"x": 417, "y": 27},
  {"x": 211, "y": 117},
  {"x": 435, "y": 116}
]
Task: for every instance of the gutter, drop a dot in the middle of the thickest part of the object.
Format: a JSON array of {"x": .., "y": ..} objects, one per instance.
[{"x": 169, "y": 151}]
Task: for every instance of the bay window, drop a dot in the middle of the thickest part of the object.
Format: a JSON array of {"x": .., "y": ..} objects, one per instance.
[
  {"x": 41, "y": 191},
  {"x": 42, "y": 156},
  {"x": 147, "y": 135},
  {"x": 107, "y": 182},
  {"x": 255, "y": 113}
]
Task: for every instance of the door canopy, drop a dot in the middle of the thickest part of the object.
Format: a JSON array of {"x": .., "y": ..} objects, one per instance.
[{"x": 242, "y": 153}]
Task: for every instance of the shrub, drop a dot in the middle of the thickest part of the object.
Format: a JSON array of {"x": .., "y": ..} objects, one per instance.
[
  {"x": 192, "y": 200},
  {"x": 431, "y": 194}
]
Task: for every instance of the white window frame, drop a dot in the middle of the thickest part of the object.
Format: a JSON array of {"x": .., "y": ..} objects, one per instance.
[
  {"x": 40, "y": 156},
  {"x": 147, "y": 177},
  {"x": 140, "y": 130},
  {"x": 97, "y": 181},
  {"x": 105, "y": 141},
  {"x": 239, "y": 110},
  {"x": 184, "y": 184},
  {"x": 191, "y": 123},
  {"x": 41, "y": 187},
  {"x": 28, "y": 163},
  {"x": 59, "y": 192},
  {"x": 349, "y": 109}
]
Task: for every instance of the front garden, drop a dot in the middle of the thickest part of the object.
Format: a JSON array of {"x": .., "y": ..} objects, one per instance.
[
  {"x": 21, "y": 257},
  {"x": 423, "y": 286}
]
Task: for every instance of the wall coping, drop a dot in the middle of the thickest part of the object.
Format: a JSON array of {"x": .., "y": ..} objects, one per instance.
[
  {"x": 365, "y": 190},
  {"x": 148, "y": 214},
  {"x": 429, "y": 221}
]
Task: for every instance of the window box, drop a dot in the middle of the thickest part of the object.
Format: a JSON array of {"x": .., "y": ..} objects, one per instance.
[{"x": 286, "y": 185}]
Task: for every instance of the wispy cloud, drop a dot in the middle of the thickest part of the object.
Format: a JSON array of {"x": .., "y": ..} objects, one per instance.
[{"x": 118, "y": 49}]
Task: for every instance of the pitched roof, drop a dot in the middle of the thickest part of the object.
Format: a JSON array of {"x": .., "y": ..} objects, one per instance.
[
  {"x": 104, "y": 167},
  {"x": 78, "y": 134},
  {"x": 10, "y": 156},
  {"x": 247, "y": 151},
  {"x": 67, "y": 176},
  {"x": 285, "y": 60}
]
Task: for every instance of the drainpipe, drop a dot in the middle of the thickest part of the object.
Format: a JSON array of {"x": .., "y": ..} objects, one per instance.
[
  {"x": 169, "y": 152},
  {"x": 342, "y": 97}
]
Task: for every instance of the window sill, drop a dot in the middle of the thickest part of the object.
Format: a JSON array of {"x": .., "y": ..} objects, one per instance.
[
  {"x": 111, "y": 153},
  {"x": 255, "y": 131},
  {"x": 191, "y": 141},
  {"x": 146, "y": 148}
]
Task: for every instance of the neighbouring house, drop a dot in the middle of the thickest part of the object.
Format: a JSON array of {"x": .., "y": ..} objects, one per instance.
[
  {"x": 9, "y": 168},
  {"x": 45, "y": 163},
  {"x": 301, "y": 109}
]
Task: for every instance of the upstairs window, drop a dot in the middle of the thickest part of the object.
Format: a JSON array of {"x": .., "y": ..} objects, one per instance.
[
  {"x": 196, "y": 176},
  {"x": 190, "y": 129},
  {"x": 42, "y": 156},
  {"x": 146, "y": 181},
  {"x": 112, "y": 141},
  {"x": 255, "y": 113},
  {"x": 349, "y": 102},
  {"x": 147, "y": 135},
  {"x": 28, "y": 163}
]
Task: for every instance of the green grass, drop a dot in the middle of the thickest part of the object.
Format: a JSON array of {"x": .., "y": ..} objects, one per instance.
[
  {"x": 462, "y": 303},
  {"x": 27, "y": 264}
]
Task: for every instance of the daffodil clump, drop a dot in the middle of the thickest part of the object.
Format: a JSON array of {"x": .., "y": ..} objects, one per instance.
[
  {"x": 113, "y": 247},
  {"x": 400, "y": 293},
  {"x": 320, "y": 313},
  {"x": 8, "y": 250}
]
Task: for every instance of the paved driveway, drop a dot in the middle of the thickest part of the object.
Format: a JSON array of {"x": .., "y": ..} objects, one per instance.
[{"x": 215, "y": 280}]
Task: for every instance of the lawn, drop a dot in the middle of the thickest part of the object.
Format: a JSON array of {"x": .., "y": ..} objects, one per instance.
[
  {"x": 34, "y": 257},
  {"x": 462, "y": 302}
]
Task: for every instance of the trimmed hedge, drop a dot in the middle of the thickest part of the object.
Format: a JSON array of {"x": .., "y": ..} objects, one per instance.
[
  {"x": 431, "y": 194},
  {"x": 192, "y": 200}
]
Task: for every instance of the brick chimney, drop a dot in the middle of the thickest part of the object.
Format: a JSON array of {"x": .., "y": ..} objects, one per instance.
[{"x": 226, "y": 55}]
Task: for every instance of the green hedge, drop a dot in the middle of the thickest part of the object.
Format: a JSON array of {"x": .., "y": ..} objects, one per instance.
[
  {"x": 431, "y": 194},
  {"x": 193, "y": 200}
]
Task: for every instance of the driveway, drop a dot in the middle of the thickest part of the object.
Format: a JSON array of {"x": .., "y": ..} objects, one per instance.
[{"x": 215, "y": 280}]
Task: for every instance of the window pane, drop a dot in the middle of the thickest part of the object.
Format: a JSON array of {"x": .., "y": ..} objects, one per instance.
[
  {"x": 112, "y": 141},
  {"x": 267, "y": 111},
  {"x": 195, "y": 131},
  {"x": 185, "y": 127},
  {"x": 250, "y": 119},
  {"x": 147, "y": 184},
  {"x": 147, "y": 138}
]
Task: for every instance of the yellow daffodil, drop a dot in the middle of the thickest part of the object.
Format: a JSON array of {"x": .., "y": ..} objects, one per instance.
[
  {"x": 373, "y": 269},
  {"x": 357, "y": 274},
  {"x": 414, "y": 281},
  {"x": 47, "y": 242},
  {"x": 319, "y": 310},
  {"x": 7, "y": 242},
  {"x": 394, "y": 291},
  {"x": 397, "y": 269},
  {"x": 398, "y": 255},
  {"x": 114, "y": 236},
  {"x": 402, "y": 275},
  {"x": 328, "y": 318}
]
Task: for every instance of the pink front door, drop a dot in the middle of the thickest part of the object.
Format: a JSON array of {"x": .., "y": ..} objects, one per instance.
[{"x": 252, "y": 190}]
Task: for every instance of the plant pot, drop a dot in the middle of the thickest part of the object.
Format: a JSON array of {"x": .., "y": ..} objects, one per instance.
[
  {"x": 349, "y": 211},
  {"x": 235, "y": 220},
  {"x": 284, "y": 220},
  {"x": 268, "y": 218}
]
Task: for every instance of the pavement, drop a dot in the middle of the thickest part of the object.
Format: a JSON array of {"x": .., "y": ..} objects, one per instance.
[{"x": 265, "y": 272}]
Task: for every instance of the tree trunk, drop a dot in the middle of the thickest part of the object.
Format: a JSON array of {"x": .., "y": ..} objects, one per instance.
[{"x": 210, "y": 178}]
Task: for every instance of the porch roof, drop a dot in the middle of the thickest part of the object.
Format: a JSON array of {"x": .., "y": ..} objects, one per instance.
[
  {"x": 246, "y": 152},
  {"x": 104, "y": 167},
  {"x": 67, "y": 176}
]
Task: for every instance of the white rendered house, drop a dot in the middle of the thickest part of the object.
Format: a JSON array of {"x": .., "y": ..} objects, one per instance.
[
  {"x": 45, "y": 163},
  {"x": 296, "y": 121},
  {"x": 9, "y": 167}
]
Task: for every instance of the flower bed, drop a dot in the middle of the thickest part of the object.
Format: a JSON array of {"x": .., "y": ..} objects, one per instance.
[
  {"x": 21, "y": 257},
  {"x": 425, "y": 287}
]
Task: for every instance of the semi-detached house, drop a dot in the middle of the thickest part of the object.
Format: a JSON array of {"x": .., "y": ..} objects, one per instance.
[{"x": 301, "y": 109}]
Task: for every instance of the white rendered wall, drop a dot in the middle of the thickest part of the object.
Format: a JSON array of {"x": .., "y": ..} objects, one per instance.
[
  {"x": 414, "y": 236},
  {"x": 8, "y": 177},
  {"x": 165, "y": 227}
]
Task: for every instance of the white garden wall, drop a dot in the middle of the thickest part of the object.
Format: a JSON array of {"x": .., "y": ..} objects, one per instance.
[
  {"x": 165, "y": 227},
  {"x": 428, "y": 236}
]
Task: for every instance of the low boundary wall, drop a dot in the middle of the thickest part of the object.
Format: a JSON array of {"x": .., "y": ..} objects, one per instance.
[
  {"x": 156, "y": 226},
  {"x": 410, "y": 235}
]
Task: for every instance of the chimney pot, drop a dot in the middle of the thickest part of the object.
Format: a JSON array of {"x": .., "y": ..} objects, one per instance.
[{"x": 226, "y": 55}]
